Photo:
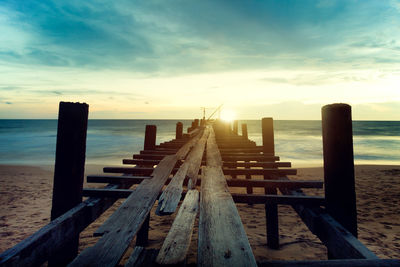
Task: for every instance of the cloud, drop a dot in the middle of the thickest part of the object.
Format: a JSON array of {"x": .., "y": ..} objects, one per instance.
[{"x": 182, "y": 37}]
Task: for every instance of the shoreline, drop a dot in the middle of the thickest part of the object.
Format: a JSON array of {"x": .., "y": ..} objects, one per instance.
[{"x": 26, "y": 193}]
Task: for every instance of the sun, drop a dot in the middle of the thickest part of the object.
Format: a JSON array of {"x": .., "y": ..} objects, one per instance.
[{"x": 227, "y": 115}]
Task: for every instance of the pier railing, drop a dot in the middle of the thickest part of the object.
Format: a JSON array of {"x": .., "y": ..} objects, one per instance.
[{"x": 190, "y": 176}]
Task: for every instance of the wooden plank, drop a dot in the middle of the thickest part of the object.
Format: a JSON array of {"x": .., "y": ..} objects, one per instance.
[
  {"x": 261, "y": 171},
  {"x": 251, "y": 158},
  {"x": 116, "y": 179},
  {"x": 177, "y": 242},
  {"x": 169, "y": 200},
  {"x": 333, "y": 263},
  {"x": 123, "y": 225},
  {"x": 222, "y": 239},
  {"x": 225, "y": 158},
  {"x": 227, "y": 171},
  {"x": 230, "y": 164},
  {"x": 293, "y": 200}
]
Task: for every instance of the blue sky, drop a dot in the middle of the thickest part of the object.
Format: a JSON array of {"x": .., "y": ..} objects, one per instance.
[{"x": 159, "y": 59}]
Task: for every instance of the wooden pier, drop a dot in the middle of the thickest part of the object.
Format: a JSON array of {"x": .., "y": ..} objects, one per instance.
[{"x": 190, "y": 176}]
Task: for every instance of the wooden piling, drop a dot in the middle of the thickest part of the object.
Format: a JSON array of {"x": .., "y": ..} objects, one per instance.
[
  {"x": 179, "y": 130},
  {"x": 150, "y": 137},
  {"x": 236, "y": 127},
  {"x": 244, "y": 131},
  {"x": 69, "y": 170},
  {"x": 271, "y": 209},
  {"x": 142, "y": 237},
  {"x": 196, "y": 123},
  {"x": 337, "y": 137}
]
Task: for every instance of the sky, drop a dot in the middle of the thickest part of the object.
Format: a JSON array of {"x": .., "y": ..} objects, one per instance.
[{"x": 167, "y": 59}]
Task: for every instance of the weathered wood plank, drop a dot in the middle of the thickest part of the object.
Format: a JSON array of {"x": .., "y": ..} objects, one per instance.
[
  {"x": 225, "y": 158},
  {"x": 177, "y": 242},
  {"x": 333, "y": 263},
  {"x": 123, "y": 225},
  {"x": 222, "y": 239},
  {"x": 116, "y": 179},
  {"x": 231, "y": 182},
  {"x": 227, "y": 171},
  {"x": 169, "y": 200},
  {"x": 230, "y": 164},
  {"x": 292, "y": 200}
]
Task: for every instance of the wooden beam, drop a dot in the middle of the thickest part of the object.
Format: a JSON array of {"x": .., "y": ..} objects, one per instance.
[
  {"x": 219, "y": 218},
  {"x": 225, "y": 158},
  {"x": 293, "y": 200},
  {"x": 177, "y": 242},
  {"x": 123, "y": 225},
  {"x": 230, "y": 164},
  {"x": 169, "y": 200},
  {"x": 116, "y": 179},
  {"x": 333, "y": 263},
  {"x": 227, "y": 171},
  {"x": 231, "y": 182}
]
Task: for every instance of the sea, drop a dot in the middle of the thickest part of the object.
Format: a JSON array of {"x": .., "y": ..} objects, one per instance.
[{"x": 33, "y": 142}]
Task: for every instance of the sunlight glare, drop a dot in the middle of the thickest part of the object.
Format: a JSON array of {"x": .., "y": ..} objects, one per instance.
[{"x": 227, "y": 115}]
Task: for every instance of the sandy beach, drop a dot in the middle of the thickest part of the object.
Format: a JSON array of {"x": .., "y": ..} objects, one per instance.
[{"x": 25, "y": 197}]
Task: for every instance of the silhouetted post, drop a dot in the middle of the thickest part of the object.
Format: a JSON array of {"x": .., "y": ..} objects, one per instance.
[
  {"x": 244, "y": 131},
  {"x": 196, "y": 123},
  {"x": 69, "y": 170},
  {"x": 150, "y": 137},
  {"x": 179, "y": 130},
  {"x": 268, "y": 136},
  {"x": 142, "y": 237},
  {"x": 149, "y": 144},
  {"x": 337, "y": 138},
  {"x": 235, "y": 127},
  {"x": 271, "y": 210}
]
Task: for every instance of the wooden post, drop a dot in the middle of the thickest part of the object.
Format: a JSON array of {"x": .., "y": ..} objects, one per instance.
[
  {"x": 271, "y": 210},
  {"x": 196, "y": 123},
  {"x": 268, "y": 135},
  {"x": 236, "y": 127},
  {"x": 69, "y": 170},
  {"x": 149, "y": 144},
  {"x": 142, "y": 237},
  {"x": 179, "y": 130},
  {"x": 337, "y": 138},
  {"x": 150, "y": 137},
  {"x": 244, "y": 131}
]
